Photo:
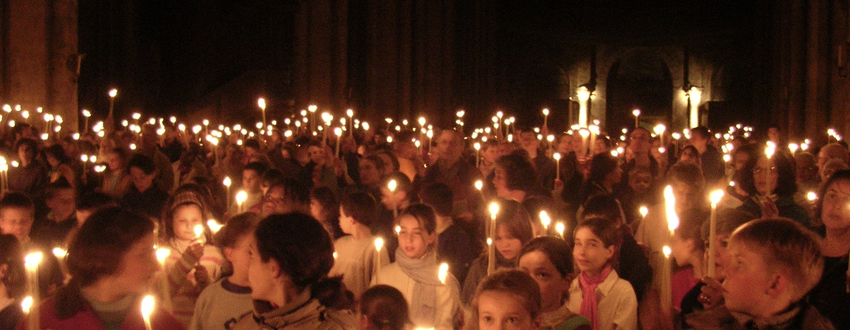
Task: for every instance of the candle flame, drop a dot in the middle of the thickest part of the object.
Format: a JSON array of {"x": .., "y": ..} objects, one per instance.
[
  {"x": 811, "y": 196},
  {"x": 667, "y": 251},
  {"x": 560, "y": 228},
  {"x": 494, "y": 210},
  {"x": 26, "y": 304},
  {"x": 147, "y": 306},
  {"x": 716, "y": 196},
  {"x": 643, "y": 211},
  {"x": 33, "y": 259},
  {"x": 489, "y": 241},
  {"x": 226, "y": 181},
  {"x": 670, "y": 203},
  {"x": 199, "y": 230},
  {"x": 443, "y": 273},
  {"x": 557, "y": 156},
  {"x": 392, "y": 185},
  {"x": 162, "y": 254},
  {"x": 113, "y": 93},
  {"x": 241, "y": 197},
  {"x": 60, "y": 253},
  {"x": 636, "y": 112},
  {"x": 379, "y": 243},
  {"x": 214, "y": 226},
  {"x": 261, "y": 102},
  {"x": 545, "y": 219},
  {"x": 479, "y": 185},
  {"x": 337, "y": 131},
  {"x": 545, "y": 111}
]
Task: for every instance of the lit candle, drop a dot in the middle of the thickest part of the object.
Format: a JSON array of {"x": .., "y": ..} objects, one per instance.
[
  {"x": 643, "y": 212},
  {"x": 31, "y": 262},
  {"x": 147, "y": 310},
  {"x": 477, "y": 147},
  {"x": 241, "y": 197},
  {"x": 379, "y": 244},
  {"x": 545, "y": 117},
  {"x": 350, "y": 114},
  {"x": 338, "y": 133},
  {"x": 199, "y": 231},
  {"x": 392, "y": 185},
  {"x": 112, "y": 94},
  {"x": 261, "y": 102},
  {"x": 769, "y": 151},
  {"x": 491, "y": 249},
  {"x": 670, "y": 207},
  {"x": 545, "y": 221},
  {"x": 161, "y": 256},
  {"x": 636, "y": 113},
  {"x": 443, "y": 272},
  {"x": 86, "y": 115},
  {"x": 666, "y": 283},
  {"x": 584, "y": 134},
  {"x": 715, "y": 199},
  {"x": 214, "y": 226},
  {"x": 557, "y": 157},
  {"x": 227, "y": 183},
  {"x": 560, "y": 228}
]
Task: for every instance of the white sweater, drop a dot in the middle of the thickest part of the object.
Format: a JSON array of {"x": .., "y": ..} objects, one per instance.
[
  {"x": 617, "y": 303},
  {"x": 220, "y": 305},
  {"x": 356, "y": 262},
  {"x": 448, "y": 298}
]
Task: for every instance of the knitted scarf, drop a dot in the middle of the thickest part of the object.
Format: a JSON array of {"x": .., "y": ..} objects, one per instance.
[
  {"x": 589, "y": 304},
  {"x": 423, "y": 304}
]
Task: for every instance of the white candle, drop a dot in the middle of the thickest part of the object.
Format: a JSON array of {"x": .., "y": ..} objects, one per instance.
[
  {"x": 491, "y": 249},
  {"x": 392, "y": 185},
  {"x": 227, "y": 183},
  {"x": 715, "y": 199},
  {"x": 545, "y": 117},
  {"x": 338, "y": 133},
  {"x": 443, "y": 272},
  {"x": 379, "y": 243},
  {"x": 545, "y": 221},
  {"x": 147, "y": 310},
  {"x": 241, "y": 197},
  {"x": 666, "y": 283},
  {"x": 636, "y": 113},
  {"x": 261, "y": 102},
  {"x": 769, "y": 151},
  {"x": 557, "y": 157},
  {"x": 161, "y": 256},
  {"x": 31, "y": 262}
]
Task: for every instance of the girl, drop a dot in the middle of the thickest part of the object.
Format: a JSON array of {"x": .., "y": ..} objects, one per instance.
[
  {"x": 116, "y": 181},
  {"x": 12, "y": 281},
  {"x": 688, "y": 250},
  {"x": 598, "y": 293},
  {"x": 30, "y": 176},
  {"x": 508, "y": 299},
  {"x": 415, "y": 273},
  {"x": 192, "y": 263},
  {"x": 225, "y": 301},
  {"x": 513, "y": 230},
  {"x": 548, "y": 261},
  {"x": 291, "y": 255},
  {"x": 383, "y": 307},
  {"x": 324, "y": 206},
  {"x": 60, "y": 168},
  {"x": 112, "y": 263}
]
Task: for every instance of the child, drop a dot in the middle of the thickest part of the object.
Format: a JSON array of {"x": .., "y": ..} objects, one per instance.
[
  {"x": 775, "y": 263},
  {"x": 507, "y": 299},
  {"x": 415, "y": 273},
  {"x": 324, "y": 206},
  {"x": 688, "y": 250},
  {"x": 383, "y": 307},
  {"x": 144, "y": 196},
  {"x": 598, "y": 293},
  {"x": 116, "y": 181},
  {"x": 12, "y": 281},
  {"x": 193, "y": 263},
  {"x": 252, "y": 177},
  {"x": 223, "y": 302},
  {"x": 16, "y": 216},
  {"x": 112, "y": 262},
  {"x": 454, "y": 244},
  {"x": 513, "y": 230},
  {"x": 53, "y": 229},
  {"x": 356, "y": 255},
  {"x": 548, "y": 261}
]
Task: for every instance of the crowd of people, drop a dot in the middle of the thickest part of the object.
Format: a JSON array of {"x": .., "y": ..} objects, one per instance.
[{"x": 385, "y": 229}]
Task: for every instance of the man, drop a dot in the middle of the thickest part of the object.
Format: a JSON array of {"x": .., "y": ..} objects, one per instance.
[
  {"x": 639, "y": 145},
  {"x": 713, "y": 167},
  {"x": 545, "y": 166},
  {"x": 164, "y": 172},
  {"x": 455, "y": 172}
]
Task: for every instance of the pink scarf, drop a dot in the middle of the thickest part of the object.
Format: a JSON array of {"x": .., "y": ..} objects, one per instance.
[{"x": 589, "y": 304}]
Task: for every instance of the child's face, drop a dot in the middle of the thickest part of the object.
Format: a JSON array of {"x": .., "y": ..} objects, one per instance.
[
  {"x": 552, "y": 284},
  {"x": 413, "y": 240},
  {"x": 16, "y": 221},
  {"x": 640, "y": 182},
  {"x": 141, "y": 180},
  {"x": 63, "y": 203},
  {"x": 721, "y": 254},
  {"x": 835, "y": 213},
  {"x": 345, "y": 221},
  {"x": 114, "y": 161},
  {"x": 748, "y": 280},
  {"x": 682, "y": 250},
  {"x": 500, "y": 181},
  {"x": 138, "y": 267},
  {"x": 239, "y": 255},
  {"x": 507, "y": 245},
  {"x": 589, "y": 252},
  {"x": 186, "y": 217},
  {"x": 264, "y": 276},
  {"x": 387, "y": 198},
  {"x": 251, "y": 181},
  {"x": 504, "y": 311}
]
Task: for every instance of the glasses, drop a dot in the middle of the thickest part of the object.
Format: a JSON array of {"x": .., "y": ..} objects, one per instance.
[
  {"x": 761, "y": 170},
  {"x": 272, "y": 199}
]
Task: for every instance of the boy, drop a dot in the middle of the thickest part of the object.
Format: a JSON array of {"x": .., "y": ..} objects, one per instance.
[
  {"x": 252, "y": 179},
  {"x": 454, "y": 245},
  {"x": 16, "y": 217},
  {"x": 355, "y": 259},
  {"x": 221, "y": 304},
  {"x": 774, "y": 264},
  {"x": 53, "y": 229}
]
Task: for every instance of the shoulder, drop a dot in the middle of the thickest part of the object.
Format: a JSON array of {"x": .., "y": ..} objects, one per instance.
[{"x": 334, "y": 319}]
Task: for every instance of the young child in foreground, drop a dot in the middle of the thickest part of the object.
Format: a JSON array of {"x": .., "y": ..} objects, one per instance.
[
  {"x": 508, "y": 299},
  {"x": 774, "y": 264},
  {"x": 356, "y": 253}
]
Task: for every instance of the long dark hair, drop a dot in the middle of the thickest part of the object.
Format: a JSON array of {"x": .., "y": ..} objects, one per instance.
[{"x": 837, "y": 176}]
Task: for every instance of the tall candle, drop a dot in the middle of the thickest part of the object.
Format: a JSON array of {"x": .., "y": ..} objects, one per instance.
[
  {"x": 715, "y": 199},
  {"x": 443, "y": 272},
  {"x": 261, "y": 102},
  {"x": 666, "y": 283},
  {"x": 769, "y": 151},
  {"x": 241, "y": 197},
  {"x": 636, "y": 113},
  {"x": 491, "y": 249},
  {"x": 557, "y": 157},
  {"x": 379, "y": 243},
  {"x": 227, "y": 183},
  {"x": 161, "y": 256},
  {"x": 147, "y": 310},
  {"x": 31, "y": 262},
  {"x": 477, "y": 147},
  {"x": 338, "y": 133},
  {"x": 545, "y": 118},
  {"x": 545, "y": 220},
  {"x": 392, "y": 185}
]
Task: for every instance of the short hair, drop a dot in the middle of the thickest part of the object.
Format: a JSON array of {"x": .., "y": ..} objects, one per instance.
[
  {"x": 377, "y": 161},
  {"x": 424, "y": 214},
  {"x": 56, "y": 151},
  {"x": 26, "y": 142},
  {"x": 516, "y": 220},
  {"x": 16, "y": 200},
  {"x": 12, "y": 255},
  {"x": 520, "y": 173},
  {"x": 701, "y": 131},
  {"x": 557, "y": 250},
  {"x": 299, "y": 244},
  {"x": 142, "y": 162},
  {"x": 601, "y": 165},
  {"x": 835, "y": 150},
  {"x": 842, "y": 175},
  {"x": 385, "y": 307},
  {"x": 786, "y": 247},
  {"x": 607, "y": 232},
  {"x": 293, "y": 191},
  {"x": 438, "y": 196},
  {"x": 94, "y": 200},
  {"x": 360, "y": 206},
  {"x": 102, "y": 241},
  {"x": 514, "y": 282},
  {"x": 272, "y": 176},
  {"x": 258, "y": 167},
  {"x": 54, "y": 188},
  {"x": 603, "y": 206},
  {"x": 236, "y": 227}
]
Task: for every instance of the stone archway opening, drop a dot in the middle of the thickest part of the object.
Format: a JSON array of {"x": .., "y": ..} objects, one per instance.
[{"x": 639, "y": 80}]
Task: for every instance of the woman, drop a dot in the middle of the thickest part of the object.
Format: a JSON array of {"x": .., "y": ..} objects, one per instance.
[
  {"x": 112, "y": 264},
  {"x": 605, "y": 174},
  {"x": 60, "y": 168},
  {"x": 30, "y": 176},
  {"x": 291, "y": 255},
  {"x": 772, "y": 195},
  {"x": 516, "y": 178},
  {"x": 830, "y": 296}
]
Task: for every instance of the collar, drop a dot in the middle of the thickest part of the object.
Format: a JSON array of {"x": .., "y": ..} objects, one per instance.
[
  {"x": 608, "y": 284},
  {"x": 783, "y": 320},
  {"x": 297, "y": 310}
]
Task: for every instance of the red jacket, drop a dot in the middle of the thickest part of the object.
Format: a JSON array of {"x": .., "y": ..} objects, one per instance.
[{"x": 86, "y": 319}]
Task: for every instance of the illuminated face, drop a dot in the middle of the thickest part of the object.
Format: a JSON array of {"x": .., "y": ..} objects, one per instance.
[
  {"x": 507, "y": 245},
  {"x": 589, "y": 252},
  {"x": 450, "y": 146},
  {"x": 413, "y": 240},
  {"x": 251, "y": 181},
  {"x": 16, "y": 221},
  {"x": 760, "y": 176},
  {"x": 274, "y": 201},
  {"x": 748, "y": 280},
  {"x": 640, "y": 182},
  {"x": 836, "y": 205},
  {"x": 565, "y": 144},
  {"x": 186, "y": 217},
  {"x": 639, "y": 141},
  {"x": 503, "y": 311},
  {"x": 264, "y": 276},
  {"x": 552, "y": 284},
  {"x": 138, "y": 267},
  {"x": 721, "y": 255},
  {"x": 141, "y": 180}
]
